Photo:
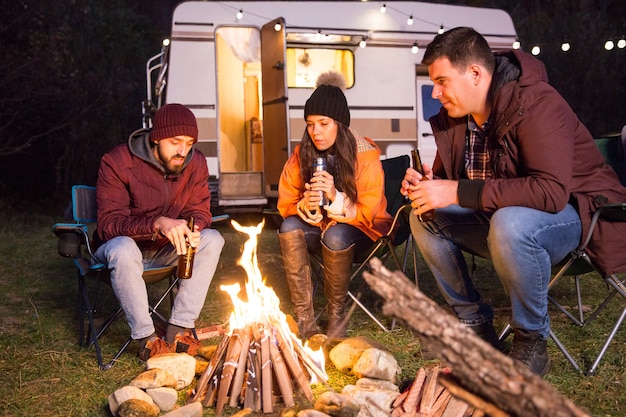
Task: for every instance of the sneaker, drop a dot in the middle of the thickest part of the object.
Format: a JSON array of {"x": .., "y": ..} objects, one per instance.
[
  {"x": 531, "y": 349},
  {"x": 487, "y": 332},
  {"x": 185, "y": 343},
  {"x": 152, "y": 347}
]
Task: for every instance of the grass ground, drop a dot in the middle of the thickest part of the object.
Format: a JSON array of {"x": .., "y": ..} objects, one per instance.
[{"x": 45, "y": 372}]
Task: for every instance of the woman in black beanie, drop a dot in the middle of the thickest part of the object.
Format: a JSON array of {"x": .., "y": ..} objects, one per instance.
[{"x": 338, "y": 210}]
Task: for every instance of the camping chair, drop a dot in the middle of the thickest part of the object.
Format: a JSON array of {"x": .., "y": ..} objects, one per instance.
[
  {"x": 75, "y": 242},
  {"x": 385, "y": 246},
  {"x": 578, "y": 263}
]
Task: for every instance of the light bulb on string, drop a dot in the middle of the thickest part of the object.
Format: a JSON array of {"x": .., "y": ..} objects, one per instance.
[
  {"x": 383, "y": 8},
  {"x": 409, "y": 21},
  {"x": 608, "y": 45},
  {"x": 415, "y": 48},
  {"x": 240, "y": 14},
  {"x": 277, "y": 27},
  {"x": 621, "y": 44},
  {"x": 536, "y": 50},
  {"x": 363, "y": 42},
  {"x": 441, "y": 29},
  {"x": 565, "y": 46},
  {"x": 517, "y": 44}
]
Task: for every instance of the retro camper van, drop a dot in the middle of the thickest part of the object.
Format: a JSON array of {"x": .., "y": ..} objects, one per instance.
[{"x": 246, "y": 69}]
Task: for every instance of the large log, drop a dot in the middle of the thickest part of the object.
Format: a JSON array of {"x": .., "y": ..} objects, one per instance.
[{"x": 477, "y": 366}]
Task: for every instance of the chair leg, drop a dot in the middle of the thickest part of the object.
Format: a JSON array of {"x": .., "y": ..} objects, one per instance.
[
  {"x": 153, "y": 310},
  {"x": 592, "y": 370},
  {"x": 85, "y": 306},
  {"x": 564, "y": 350}
]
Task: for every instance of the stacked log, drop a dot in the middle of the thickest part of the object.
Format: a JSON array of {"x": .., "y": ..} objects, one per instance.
[
  {"x": 480, "y": 374},
  {"x": 255, "y": 368}
]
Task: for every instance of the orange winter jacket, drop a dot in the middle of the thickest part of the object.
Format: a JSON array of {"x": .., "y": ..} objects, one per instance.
[{"x": 369, "y": 214}]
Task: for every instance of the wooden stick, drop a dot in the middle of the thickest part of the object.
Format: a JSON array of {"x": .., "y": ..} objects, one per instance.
[
  {"x": 447, "y": 381},
  {"x": 294, "y": 368},
  {"x": 228, "y": 370},
  {"x": 251, "y": 399},
  {"x": 442, "y": 401},
  {"x": 428, "y": 394},
  {"x": 310, "y": 365},
  {"x": 266, "y": 373},
  {"x": 282, "y": 375},
  {"x": 201, "y": 388},
  {"x": 412, "y": 399},
  {"x": 238, "y": 386}
]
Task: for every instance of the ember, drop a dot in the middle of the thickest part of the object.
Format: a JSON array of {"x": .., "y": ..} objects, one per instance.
[{"x": 259, "y": 359}]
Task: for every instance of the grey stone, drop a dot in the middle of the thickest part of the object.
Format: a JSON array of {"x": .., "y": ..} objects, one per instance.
[
  {"x": 378, "y": 364},
  {"x": 124, "y": 394},
  {"x": 180, "y": 365},
  {"x": 154, "y": 378},
  {"x": 165, "y": 398},
  {"x": 137, "y": 408},
  {"x": 345, "y": 354},
  {"x": 337, "y": 405}
]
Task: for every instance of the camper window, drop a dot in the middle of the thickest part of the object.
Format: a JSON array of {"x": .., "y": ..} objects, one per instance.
[{"x": 305, "y": 64}]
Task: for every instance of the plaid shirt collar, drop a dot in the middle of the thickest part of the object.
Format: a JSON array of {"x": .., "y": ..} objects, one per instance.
[{"x": 477, "y": 164}]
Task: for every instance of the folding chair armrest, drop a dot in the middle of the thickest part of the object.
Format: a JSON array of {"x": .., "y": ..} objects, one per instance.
[
  {"x": 613, "y": 212},
  {"x": 71, "y": 237}
]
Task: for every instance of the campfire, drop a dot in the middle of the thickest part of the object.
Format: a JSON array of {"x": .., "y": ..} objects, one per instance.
[{"x": 259, "y": 360}]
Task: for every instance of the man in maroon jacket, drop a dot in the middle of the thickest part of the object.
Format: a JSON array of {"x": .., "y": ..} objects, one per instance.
[
  {"x": 516, "y": 177},
  {"x": 147, "y": 190}
]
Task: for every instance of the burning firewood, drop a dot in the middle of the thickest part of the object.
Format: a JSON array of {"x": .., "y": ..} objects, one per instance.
[{"x": 259, "y": 360}]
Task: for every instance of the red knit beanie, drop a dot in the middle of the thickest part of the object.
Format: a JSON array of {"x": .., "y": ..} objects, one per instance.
[{"x": 174, "y": 120}]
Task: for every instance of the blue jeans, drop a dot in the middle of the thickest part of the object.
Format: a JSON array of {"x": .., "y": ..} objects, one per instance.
[
  {"x": 337, "y": 237},
  {"x": 126, "y": 263},
  {"x": 521, "y": 242}
]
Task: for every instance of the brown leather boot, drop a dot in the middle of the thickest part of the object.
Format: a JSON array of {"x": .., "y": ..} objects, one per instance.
[
  {"x": 337, "y": 269},
  {"x": 298, "y": 273}
]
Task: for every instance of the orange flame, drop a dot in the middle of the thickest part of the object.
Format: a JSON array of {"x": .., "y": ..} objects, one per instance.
[{"x": 262, "y": 305}]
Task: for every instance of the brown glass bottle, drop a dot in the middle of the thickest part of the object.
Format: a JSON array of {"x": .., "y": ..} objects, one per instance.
[
  {"x": 185, "y": 262},
  {"x": 417, "y": 165}
]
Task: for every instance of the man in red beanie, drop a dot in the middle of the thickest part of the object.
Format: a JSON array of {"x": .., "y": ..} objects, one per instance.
[{"x": 147, "y": 190}]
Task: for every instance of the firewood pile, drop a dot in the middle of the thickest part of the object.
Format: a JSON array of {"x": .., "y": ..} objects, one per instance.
[
  {"x": 255, "y": 368},
  {"x": 428, "y": 397},
  {"x": 482, "y": 376}
]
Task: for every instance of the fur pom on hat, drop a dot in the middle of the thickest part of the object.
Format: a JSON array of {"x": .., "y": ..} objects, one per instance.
[
  {"x": 173, "y": 120},
  {"x": 328, "y": 98}
]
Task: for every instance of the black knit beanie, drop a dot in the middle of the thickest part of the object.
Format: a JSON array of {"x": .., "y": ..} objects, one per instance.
[
  {"x": 328, "y": 100},
  {"x": 174, "y": 120}
]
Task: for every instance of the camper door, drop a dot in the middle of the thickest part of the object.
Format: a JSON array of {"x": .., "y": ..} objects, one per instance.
[{"x": 275, "y": 106}]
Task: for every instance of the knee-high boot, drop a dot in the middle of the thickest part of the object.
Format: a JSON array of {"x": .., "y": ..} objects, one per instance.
[
  {"x": 337, "y": 268},
  {"x": 298, "y": 272}
]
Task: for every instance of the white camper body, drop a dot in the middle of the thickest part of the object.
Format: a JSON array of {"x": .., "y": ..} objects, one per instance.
[{"x": 247, "y": 78}]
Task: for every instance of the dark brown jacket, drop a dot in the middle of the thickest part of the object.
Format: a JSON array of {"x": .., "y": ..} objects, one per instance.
[
  {"x": 543, "y": 157},
  {"x": 133, "y": 190}
]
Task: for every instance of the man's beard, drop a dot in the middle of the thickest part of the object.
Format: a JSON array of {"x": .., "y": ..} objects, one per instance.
[{"x": 168, "y": 164}]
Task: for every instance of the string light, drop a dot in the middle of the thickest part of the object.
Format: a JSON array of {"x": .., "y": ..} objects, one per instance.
[
  {"x": 415, "y": 48},
  {"x": 277, "y": 26},
  {"x": 566, "y": 45}
]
